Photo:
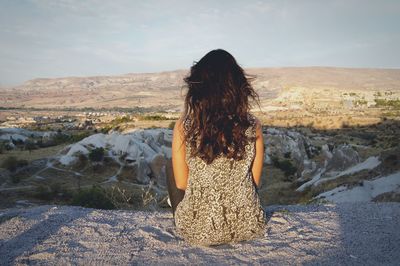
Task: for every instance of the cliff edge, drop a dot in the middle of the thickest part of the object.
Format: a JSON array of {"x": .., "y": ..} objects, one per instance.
[{"x": 346, "y": 233}]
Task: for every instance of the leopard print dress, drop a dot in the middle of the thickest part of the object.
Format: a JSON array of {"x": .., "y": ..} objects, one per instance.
[{"x": 221, "y": 202}]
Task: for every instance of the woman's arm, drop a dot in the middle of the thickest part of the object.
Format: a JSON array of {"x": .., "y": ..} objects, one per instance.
[
  {"x": 180, "y": 168},
  {"x": 259, "y": 158}
]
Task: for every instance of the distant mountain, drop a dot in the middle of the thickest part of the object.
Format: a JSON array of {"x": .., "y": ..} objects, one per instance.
[{"x": 164, "y": 90}]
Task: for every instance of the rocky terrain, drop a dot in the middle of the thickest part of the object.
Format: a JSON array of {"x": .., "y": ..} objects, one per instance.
[
  {"x": 301, "y": 165},
  {"x": 330, "y": 183},
  {"x": 331, "y": 136},
  {"x": 342, "y": 234}
]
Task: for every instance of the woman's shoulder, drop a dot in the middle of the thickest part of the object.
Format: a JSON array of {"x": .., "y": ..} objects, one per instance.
[
  {"x": 254, "y": 120},
  {"x": 182, "y": 124},
  {"x": 184, "y": 119},
  {"x": 252, "y": 116},
  {"x": 255, "y": 128}
]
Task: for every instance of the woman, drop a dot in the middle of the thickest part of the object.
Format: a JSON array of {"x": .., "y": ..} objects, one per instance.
[{"x": 217, "y": 156}]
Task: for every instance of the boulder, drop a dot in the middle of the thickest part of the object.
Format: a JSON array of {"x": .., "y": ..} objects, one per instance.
[{"x": 343, "y": 156}]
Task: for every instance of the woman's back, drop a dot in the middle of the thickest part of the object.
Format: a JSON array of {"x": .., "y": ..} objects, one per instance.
[{"x": 221, "y": 202}]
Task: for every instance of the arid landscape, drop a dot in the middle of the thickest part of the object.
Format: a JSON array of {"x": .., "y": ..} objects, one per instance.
[
  {"x": 90, "y": 95},
  {"x": 288, "y": 96},
  {"x": 326, "y": 130}
]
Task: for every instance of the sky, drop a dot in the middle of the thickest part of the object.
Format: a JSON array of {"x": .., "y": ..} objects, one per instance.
[{"x": 50, "y": 38}]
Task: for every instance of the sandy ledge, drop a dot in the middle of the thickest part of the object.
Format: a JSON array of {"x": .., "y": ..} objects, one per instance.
[{"x": 346, "y": 233}]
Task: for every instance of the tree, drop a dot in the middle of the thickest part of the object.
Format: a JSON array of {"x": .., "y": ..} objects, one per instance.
[
  {"x": 97, "y": 154},
  {"x": 30, "y": 145}
]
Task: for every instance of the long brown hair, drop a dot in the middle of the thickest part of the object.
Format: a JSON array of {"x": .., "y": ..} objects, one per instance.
[{"x": 217, "y": 101}]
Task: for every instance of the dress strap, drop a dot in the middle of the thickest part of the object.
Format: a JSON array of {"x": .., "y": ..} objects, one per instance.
[
  {"x": 253, "y": 124},
  {"x": 185, "y": 123}
]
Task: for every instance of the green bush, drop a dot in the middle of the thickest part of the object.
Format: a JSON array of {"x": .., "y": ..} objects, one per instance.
[
  {"x": 79, "y": 136},
  {"x": 82, "y": 161},
  {"x": 275, "y": 161},
  {"x": 55, "y": 188},
  {"x": 22, "y": 163},
  {"x": 15, "y": 179},
  {"x": 285, "y": 165},
  {"x": 57, "y": 139},
  {"x": 387, "y": 103},
  {"x": 121, "y": 119},
  {"x": 96, "y": 197},
  {"x": 2, "y": 147},
  {"x": 97, "y": 154},
  {"x": 60, "y": 138},
  {"x": 30, "y": 145},
  {"x": 17, "y": 142},
  {"x": 8, "y": 146},
  {"x": 11, "y": 163},
  {"x": 43, "y": 192},
  {"x": 360, "y": 102},
  {"x": 52, "y": 191},
  {"x": 153, "y": 117},
  {"x": 97, "y": 168},
  {"x": 105, "y": 129}
]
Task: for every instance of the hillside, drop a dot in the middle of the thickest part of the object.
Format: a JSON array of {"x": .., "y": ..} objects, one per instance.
[
  {"x": 297, "y": 87},
  {"x": 344, "y": 234},
  {"x": 300, "y": 165}
]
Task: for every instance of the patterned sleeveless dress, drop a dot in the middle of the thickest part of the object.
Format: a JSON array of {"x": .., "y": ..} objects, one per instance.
[{"x": 221, "y": 202}]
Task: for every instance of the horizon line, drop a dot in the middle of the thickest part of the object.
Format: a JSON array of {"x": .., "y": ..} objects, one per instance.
[{"x": 187, "y": 69}]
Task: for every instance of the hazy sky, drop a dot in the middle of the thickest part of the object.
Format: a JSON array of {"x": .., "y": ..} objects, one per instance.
[{"x": 50, "y": 38}]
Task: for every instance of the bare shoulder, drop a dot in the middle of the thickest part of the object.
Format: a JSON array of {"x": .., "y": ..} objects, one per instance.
[
  {"x": 257, "y": 123},
  {"x": 178, "y": 128}
]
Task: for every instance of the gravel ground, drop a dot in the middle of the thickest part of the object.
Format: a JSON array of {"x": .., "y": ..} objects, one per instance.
[{"x": 345, "y": 234}]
